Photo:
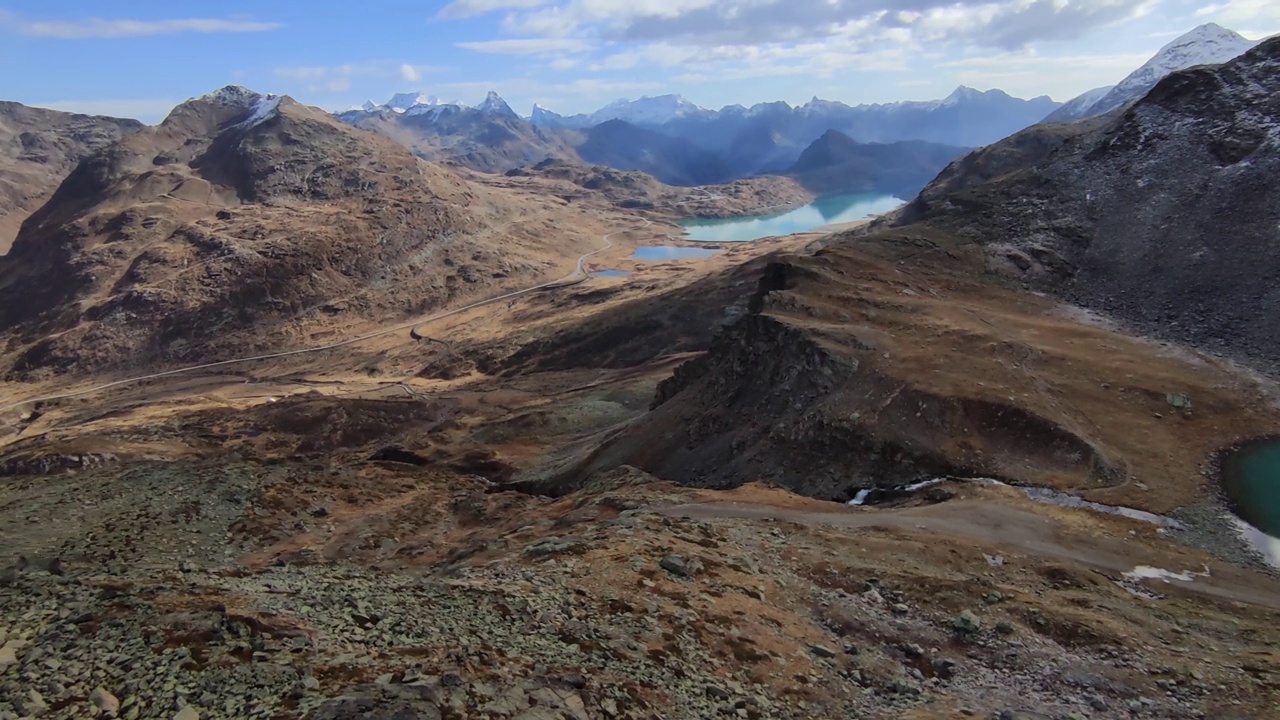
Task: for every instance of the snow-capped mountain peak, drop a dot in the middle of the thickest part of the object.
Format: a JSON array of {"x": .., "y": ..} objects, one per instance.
[
  {"x": 959, "y": 95},
  {"x": 401, "y": 102},
  {"x": 230, "y": 96},
  {"x": 494, "y": 104},
  {"x": 646, "y": 110},
  {"x": 543, "y": 116},
  {"x": 1209, "y": 44}
]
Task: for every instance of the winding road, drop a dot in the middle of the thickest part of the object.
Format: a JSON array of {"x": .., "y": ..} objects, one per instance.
[{"x": 579, "y": 274}]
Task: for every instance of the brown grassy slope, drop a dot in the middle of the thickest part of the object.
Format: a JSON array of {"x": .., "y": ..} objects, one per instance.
[
  {"x": 38, "y": 148},
  {"x": 888, "y": 359},
  {"x": 205, "y": 238}
]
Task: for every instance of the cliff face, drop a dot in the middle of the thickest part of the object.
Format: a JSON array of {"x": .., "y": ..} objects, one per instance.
[{"x": 1165, "y": 215}]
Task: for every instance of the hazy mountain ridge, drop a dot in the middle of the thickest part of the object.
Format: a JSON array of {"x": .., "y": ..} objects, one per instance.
[
  {"x": 835, "y": 163},
  {"x": 682, "y": 144},
  {"x": 769, "y": 137},
  {"x": 490, "y": 138}
]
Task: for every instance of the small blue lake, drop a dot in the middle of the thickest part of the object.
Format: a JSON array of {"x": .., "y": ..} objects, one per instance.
[
  {"x": 1252, "y": 482},
  {"x": 609, "y": 273},
  {"x": 823, "y": 211},
  {"x": 658, "y": 253}
]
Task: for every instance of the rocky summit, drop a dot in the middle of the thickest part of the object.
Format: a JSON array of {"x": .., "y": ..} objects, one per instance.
[{"x": 1156, "y": 216}]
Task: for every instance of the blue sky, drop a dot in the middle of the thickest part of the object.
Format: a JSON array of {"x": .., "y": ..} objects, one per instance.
[{"x": 138, "y": 59}]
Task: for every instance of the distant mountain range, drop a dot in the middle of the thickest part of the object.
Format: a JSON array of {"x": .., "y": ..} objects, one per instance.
[
  {"x": 489, "y": 138},
  {"x": 1208, "y": 44},
  {"x": 682, "y": 144},
  {"x": 965, "y": 117}
]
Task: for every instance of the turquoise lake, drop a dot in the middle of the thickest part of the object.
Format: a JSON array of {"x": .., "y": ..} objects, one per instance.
[
  {"x": 823, "y": 211},
  {"x": 1251, "y": 478}
]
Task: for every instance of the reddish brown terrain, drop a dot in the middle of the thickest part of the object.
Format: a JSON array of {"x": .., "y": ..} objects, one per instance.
[{"x": 608, "y": 497}]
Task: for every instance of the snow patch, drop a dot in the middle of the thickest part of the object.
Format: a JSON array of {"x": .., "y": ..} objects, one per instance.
[
  {"x": 1147, "y": 572},
  {"x": 264, "y": 109},
  {"x": 1266, "y": 545},
  {"x": 861, "y": 497}
]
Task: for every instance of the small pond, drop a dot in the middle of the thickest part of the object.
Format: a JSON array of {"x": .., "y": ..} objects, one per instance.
[
  {"x": 1251, "y": 480},
  {"x": 609, "y": 273}
]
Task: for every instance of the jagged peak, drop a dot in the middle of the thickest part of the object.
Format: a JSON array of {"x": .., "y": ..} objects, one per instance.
[
  {"x": 231, "y": 95},
  {"x": 219, "y": 106}
]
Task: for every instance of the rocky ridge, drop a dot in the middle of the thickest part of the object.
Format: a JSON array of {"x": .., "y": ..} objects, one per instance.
[{"x": 1156, "y": 216}]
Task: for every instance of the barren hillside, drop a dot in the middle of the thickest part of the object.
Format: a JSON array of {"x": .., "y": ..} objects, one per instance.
[
  {"x": 38, "y": 148},
  {"x": 245, "y": 222},
  {"x": 1164, "y": 215}
]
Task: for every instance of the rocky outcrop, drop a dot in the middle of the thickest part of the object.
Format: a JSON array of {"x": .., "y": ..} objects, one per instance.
[{"x": 49, "y": 464}]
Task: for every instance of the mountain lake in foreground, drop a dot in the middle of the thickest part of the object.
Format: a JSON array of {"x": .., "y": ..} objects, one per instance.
[{"x": 823, "y": 211}]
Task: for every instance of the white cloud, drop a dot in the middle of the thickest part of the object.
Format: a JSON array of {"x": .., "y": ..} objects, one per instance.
[
  {"x": 998, "y": 23},
  {"x": 148, "y": 110},
  {"x": 527, "y": 46},
  {"x": 1027, "y": 73},
  {"x": 470, "y": 8},
  {"x": 341, "y": 78},
  {"x": 98, "y": 28},
  {"x": 410, "y": 73}
]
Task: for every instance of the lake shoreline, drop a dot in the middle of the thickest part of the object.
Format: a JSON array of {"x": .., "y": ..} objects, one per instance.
[{"x": 831, "y": 213}]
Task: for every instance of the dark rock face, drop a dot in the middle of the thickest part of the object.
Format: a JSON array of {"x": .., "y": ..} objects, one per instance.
[{"x": 1167, "y": 215}]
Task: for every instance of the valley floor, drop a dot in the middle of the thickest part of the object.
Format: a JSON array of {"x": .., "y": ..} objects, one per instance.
[{"x": 358, "y": 533}]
